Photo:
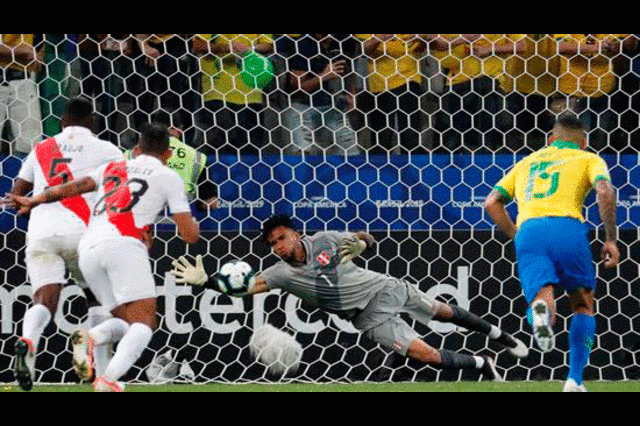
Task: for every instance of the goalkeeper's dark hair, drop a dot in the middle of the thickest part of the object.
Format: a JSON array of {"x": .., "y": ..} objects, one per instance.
[
  {"x": 273, "y": 222},
  {"x": 154, "y": 138}
]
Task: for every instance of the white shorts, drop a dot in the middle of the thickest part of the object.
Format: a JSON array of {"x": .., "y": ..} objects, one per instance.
[
  {"x": 118, "y": 271},
  {"x": 48, "y": 259}
]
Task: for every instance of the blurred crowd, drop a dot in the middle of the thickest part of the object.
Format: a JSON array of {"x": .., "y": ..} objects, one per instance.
[{"x": 342, "y": 94}]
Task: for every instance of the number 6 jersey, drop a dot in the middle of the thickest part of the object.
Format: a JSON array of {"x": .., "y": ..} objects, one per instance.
[
  {"x": 130, "y": 195},
  {"x": 553, "y": 181},
  {"x": 72, "y": 154}
]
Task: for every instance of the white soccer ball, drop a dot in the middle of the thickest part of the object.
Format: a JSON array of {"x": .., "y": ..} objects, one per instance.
[
  {"x": 276, "y": 349},
  {"x": 235, "y": 277}
]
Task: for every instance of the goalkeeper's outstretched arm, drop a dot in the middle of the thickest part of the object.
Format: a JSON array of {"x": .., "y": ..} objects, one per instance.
[{"x": 195, "y": 275}]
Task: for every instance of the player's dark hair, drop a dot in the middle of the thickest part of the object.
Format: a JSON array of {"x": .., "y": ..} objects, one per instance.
[
  {"x": 78, "y": 112},
  {"x": 154, "y": 138},
  {"x": 569, "y": 121},
  {"x": 273, "y": 222}
]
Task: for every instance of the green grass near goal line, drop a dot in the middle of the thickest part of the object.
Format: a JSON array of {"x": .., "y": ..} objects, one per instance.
[{"x": 534, "y": 386}]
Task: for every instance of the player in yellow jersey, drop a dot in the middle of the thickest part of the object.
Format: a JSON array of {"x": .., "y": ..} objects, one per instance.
[{"x": 552, "y": 248}]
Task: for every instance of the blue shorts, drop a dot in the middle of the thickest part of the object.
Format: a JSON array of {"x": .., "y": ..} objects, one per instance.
[{"x": 554, "y": 250}]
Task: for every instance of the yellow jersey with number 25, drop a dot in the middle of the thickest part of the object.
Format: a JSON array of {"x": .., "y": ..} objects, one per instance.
[{"x": 553, "y": 181}]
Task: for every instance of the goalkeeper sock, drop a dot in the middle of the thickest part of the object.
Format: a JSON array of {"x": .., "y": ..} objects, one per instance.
[
  {"x": 129, "y": 350},
  {"x": 101, "y": 353},
  {"x": 455, "y": 361},
  {"x": 581, "y": 338},
  {"x": 466, "y": 319},
  {"x": 35, "y": 321}
]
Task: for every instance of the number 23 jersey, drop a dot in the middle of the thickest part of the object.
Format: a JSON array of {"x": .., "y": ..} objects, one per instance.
[
  {"x": 130, "y": 195},
  {"x": 553, "y": 182}
]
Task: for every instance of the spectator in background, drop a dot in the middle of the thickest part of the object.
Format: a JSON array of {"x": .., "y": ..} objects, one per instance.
[
  {"x": 318, "y": 66},
  {"x": 20, "y": 60},
  {"x": 231, "y": 117},
  {"x": 190, "y": 164},
  {"x": 106, "y": 64},
  {"x": 165, "y": 67},
  {"x": 587, "y": 77},
  {"x": 529, "y": 80},
  {"x": 474, "y": 100},
  {"x": 392, "y": 104}
]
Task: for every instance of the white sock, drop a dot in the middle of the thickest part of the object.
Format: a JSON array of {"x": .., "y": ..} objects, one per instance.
[
  {"x": 479, "y": 361},
  {"x": 109, "y": 331},
  {"x": 35, "y": 321},
  {"x": 101, "y": 353},
  {"x": 495, "y": 332},
  {"x": 129, "y": 350}
]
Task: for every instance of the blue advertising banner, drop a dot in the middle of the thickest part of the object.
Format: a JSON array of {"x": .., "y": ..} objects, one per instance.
[{"x": 393, "y": 192}]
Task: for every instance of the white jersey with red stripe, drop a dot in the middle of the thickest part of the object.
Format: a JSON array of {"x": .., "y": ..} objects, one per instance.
[
  {"x": 72, "y": 154},
  {"x": 130, "y": 196}
]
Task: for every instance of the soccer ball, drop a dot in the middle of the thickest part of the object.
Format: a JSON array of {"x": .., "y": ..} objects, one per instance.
[{"x": 235, "y": 278}]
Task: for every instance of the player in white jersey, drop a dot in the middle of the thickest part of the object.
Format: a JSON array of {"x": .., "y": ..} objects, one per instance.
[
  {"x": 54, "y": 230},
  {"x": 113, "y": 255},
  {"x": 319, "y": 270}
]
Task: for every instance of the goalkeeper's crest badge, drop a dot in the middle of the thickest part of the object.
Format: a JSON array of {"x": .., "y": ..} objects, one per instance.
[{"x": 324, "y": 258}]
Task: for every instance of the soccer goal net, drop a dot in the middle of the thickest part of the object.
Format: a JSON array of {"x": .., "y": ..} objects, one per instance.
[{"x": 400, "y": 135}]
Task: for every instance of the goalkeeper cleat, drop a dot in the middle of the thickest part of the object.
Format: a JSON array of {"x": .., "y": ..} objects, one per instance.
[
  {"x": 82, "y": 361},
  {"x": 101, "y": 384},
  {"x": 25, "y": 355},
  {"x": 542, "y": 330},
  {"x": 489, "y": 370},
  {"x": 514, "y": 346},
  {"x": 572, "y": 386}
]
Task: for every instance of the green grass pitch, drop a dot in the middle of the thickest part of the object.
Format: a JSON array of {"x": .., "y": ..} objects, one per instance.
[{"x": 533, "y": 386}]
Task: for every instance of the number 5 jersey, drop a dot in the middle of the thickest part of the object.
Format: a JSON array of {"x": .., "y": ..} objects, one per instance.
[{"x": 72, "y": 154}]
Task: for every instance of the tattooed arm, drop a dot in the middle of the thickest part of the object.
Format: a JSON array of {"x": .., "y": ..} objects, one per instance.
[
  {"x": 606, "y": 199},
  {"x": 50, "y": 195}
]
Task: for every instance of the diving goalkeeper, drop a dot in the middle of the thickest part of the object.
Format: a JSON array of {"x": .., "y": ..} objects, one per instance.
[{"x": 319, "y": 270}]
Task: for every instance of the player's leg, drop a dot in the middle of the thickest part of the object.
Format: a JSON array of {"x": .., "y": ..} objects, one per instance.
[
  {"x": 96, "y": 315},
  {"x": 396, "y": 334},
  {"x": 466, "y": 319},
  {"x": 424, "y": 309},
  {"x": 542, "y": 318},
  {"x": 36, "y": 319},
  {"x": 538, "y": 276},
  {"x": 46, "y": 271},
  {"x": 133, "y": 288},
  {"x": 577, "y": 273},
  {"x": 581, "y": 337},
  {"x": 448, "y": 360},
  {"x": 141, "y": 315}
]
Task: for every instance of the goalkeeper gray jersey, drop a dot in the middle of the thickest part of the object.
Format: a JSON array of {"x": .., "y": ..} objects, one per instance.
[{"x": 322, "y": 281}]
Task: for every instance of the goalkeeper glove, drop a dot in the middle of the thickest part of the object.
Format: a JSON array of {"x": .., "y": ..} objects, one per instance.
[
  {"x": 187, "y": 273},
  {"x": 351, "y": 248}
]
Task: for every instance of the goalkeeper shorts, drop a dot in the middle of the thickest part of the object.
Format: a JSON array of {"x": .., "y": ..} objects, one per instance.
[{"x": 554, "y": 251}]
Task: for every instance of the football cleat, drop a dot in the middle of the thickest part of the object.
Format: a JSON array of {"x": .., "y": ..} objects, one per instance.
[
  {"x": 542, "y": 330},
  {"x": 489, "y": 370},
  {"x": 101, "y": 384},
  {"x": 514, "y": 346},
  {"x": 572, "y": 386},
  {"x": 23, "y": 368},
  {"x": 82, "y": 361}
]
